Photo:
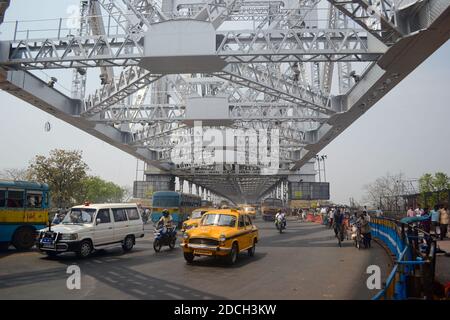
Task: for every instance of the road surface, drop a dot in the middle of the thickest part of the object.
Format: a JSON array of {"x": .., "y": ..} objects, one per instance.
[{"x": 302, "y": 263}]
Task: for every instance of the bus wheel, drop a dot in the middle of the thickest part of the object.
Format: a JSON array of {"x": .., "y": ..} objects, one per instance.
[{"x": 23, "y": 238}]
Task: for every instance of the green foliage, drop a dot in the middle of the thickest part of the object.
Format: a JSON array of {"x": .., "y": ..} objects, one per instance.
[
  {"x": 97, "y": 190},
  {"x": 64, "y": 172},
  {"x": 432, "y": 188}
]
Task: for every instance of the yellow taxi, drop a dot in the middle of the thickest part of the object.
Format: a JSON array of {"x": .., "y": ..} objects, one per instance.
[
  {"x": 223, "y": 233},
  {"x": 194, "y": 218},
  {"x": 248, "y": 210}
]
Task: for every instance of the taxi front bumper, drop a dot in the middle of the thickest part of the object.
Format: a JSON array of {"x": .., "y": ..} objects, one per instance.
[{"x": 194, "y": 247}]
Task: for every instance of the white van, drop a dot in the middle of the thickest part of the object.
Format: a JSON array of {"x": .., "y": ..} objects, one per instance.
[{"x": 93, "y": 226}]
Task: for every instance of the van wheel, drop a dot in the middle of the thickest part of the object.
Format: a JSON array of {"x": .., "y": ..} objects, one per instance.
[
  {"x": 251, "y": 251},
  {"x": 232, "y": 257},
  {"x": 189, "y": 257},
  {"x": 23, "y": 238},
  {"x": 128, "y": 243},
  {"x": 85, "y": 249}
]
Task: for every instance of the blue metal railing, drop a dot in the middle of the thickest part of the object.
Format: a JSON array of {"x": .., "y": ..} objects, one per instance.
[{"x": 402, "y": 240}]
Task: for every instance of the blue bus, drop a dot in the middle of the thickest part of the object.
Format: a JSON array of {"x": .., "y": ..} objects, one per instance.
[
  {"x": 23, "y": 210},
  {"x": 180, "y": 205}
]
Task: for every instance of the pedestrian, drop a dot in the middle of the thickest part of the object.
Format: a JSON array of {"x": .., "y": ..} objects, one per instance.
[
  {"x": 435, "y": 220},
  {"x": 410, "y": 212},
  {"x": 379, "y": 213},
  {"x": 426, "y": 224},
  {"x": 443, "y": 221}
]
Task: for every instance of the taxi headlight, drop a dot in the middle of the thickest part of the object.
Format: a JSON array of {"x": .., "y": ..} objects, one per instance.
[
  {"x": 69, "y": 236},
  {"x": 222, "y": 238},
  {"x": 185, "y": 236}
]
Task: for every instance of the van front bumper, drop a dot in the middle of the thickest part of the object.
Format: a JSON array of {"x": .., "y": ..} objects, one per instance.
[{"x": 60, "y": 246}]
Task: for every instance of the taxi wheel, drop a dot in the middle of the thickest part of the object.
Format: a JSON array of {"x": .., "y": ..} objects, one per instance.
[
  {"x": 232, "y": 257},
  {"x": 189, "y": 257},
  {"x": 251, "y": 251}
]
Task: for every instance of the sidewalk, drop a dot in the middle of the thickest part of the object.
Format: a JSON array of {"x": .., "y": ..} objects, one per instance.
[{"x": 443, "y": 263}]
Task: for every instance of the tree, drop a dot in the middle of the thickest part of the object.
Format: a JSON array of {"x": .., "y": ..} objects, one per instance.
[
  {"x": 15, "y": 174},
  {"x": 432, "y": 188},
  {"x": 64, "y": 172},
  {"x": 97, "y": 190},
  {"x": 386, "y": 192}
]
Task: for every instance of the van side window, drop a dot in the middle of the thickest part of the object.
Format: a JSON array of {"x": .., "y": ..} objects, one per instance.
[
  {"x": 103, "y": 215},
  {"x": 133, "y": 214},
  {"x": 119, "y": 215}
]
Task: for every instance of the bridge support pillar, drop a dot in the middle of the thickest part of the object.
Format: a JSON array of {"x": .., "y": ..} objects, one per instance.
[{"x": 155, "y": 180}]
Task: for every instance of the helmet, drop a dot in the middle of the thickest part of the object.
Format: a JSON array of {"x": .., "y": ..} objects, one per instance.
[{"x": 165, "y": 213}]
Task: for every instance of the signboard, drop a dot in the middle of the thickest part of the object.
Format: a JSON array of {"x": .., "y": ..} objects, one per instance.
[{"x": 309, "y": 191}]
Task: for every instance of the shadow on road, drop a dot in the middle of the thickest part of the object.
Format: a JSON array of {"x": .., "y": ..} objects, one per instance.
[{"x": 212, "y": 262}]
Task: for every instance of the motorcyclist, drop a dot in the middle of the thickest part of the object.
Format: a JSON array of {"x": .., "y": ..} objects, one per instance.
[
  {"x": 365, "y": 230},
  {"x": 166, "y": 220},
  {"x": 280, "y": 217}
]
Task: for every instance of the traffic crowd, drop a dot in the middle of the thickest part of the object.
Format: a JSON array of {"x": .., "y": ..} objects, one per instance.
[{"x": 436, "y": 220}]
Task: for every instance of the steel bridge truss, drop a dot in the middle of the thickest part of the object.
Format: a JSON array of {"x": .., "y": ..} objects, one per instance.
[{"x": 298, "y": 72}]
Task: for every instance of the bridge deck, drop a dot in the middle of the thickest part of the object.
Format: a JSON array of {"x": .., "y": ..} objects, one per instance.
[{"x": 303, "y": 263}]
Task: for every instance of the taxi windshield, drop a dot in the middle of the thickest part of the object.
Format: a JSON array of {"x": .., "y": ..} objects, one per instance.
[
  {"x": 79, "y": 216},
  {"x": 197, "y": 214},
  {"x": 223, "y": 220}
]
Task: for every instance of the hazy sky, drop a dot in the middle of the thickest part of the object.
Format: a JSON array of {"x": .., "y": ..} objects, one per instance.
[{"x": 407, "y": 131}]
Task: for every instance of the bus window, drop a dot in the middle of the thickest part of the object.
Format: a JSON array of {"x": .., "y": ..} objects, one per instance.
[
  {"x": 2, "y": 198},
  {"x": 15, "y": 199},
  {"x": 34, "y": 200}
]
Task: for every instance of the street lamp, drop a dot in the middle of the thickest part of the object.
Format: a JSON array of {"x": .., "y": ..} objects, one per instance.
[
  {"x": 323, "y": 157},
  {"x": 318, "y": 166}
]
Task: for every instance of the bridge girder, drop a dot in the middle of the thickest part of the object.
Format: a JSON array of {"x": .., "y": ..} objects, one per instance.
[{"x": 279, "y": 74}]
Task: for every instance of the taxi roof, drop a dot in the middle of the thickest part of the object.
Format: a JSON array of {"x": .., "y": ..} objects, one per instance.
[{"x": 233, "y": 212}]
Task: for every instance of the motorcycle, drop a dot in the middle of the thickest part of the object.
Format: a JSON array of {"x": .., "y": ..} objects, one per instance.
[
  {"x": 280, "y": 223},
  {"x": 164, "y": 237}
]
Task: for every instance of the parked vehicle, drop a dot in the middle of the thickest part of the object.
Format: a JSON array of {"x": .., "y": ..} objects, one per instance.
[
  {"x": 222, "y": 233},
  {"x": 89, "y": 227},
  {"x": 23, "y": 211}
]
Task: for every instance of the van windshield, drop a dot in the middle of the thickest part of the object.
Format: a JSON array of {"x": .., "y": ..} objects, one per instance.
[{"x": 79, "y": 216}]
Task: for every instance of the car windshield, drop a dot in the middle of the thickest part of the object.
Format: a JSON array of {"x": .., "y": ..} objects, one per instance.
[
  {"x": 224, "y": 220},
  {"x": 197, "y": 214},
  {"x": 79, "y": 216}
]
